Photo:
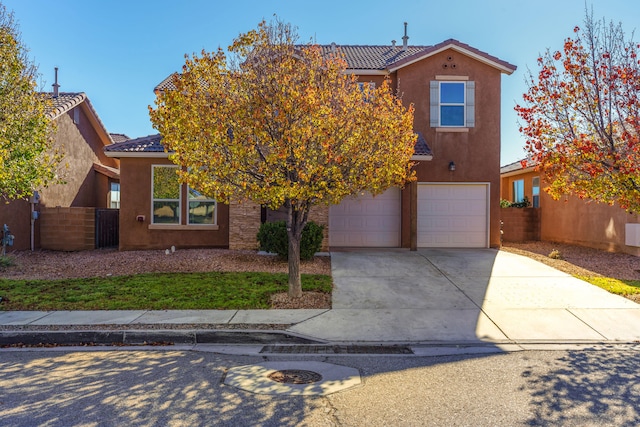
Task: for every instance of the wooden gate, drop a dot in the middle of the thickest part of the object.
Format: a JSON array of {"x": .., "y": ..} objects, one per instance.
[{"x": 107, "y": 228}]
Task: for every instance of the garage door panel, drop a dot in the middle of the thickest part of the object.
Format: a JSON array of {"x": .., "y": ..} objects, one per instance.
[
  {"x": 452, "y": 215},
  {"x": 366, "y": 221}
]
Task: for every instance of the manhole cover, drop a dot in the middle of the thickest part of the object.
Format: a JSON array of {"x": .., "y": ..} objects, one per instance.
[{"x": 295, "y": 376}]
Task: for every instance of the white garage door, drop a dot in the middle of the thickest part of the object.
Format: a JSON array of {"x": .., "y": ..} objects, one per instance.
[
  {"x": 367, "y": 221},
  {"x": 452, "y": 215}
]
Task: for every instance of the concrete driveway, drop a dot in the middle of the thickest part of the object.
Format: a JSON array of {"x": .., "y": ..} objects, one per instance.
[{"x": 465, "y": 296}]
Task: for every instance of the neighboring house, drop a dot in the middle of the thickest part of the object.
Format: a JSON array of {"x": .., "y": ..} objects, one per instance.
[
  {"x": 91, "y": 181},
  {"x": 568, "y": 220},
  {"x": 455, "y": 89}
]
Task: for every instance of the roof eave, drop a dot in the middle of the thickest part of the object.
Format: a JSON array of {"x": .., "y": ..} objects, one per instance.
[
  {"x": 501, "y": 67},
  {"x": 517, "y": 172},
  {"x": 366, "y": 72},
  {"x": 138, "y": 154}
]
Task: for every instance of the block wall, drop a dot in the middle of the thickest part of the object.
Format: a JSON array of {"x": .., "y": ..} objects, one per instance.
[
  {"x": 67, "y": 229},
  {"x": 520, "y": 224}
]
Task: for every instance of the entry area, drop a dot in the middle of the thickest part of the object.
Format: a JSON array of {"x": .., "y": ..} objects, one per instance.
[
  {"x": 452, "y": 215},
  {"x": 366, "y": 221}
]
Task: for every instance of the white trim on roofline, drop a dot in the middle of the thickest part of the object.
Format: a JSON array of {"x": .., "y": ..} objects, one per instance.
[
  {"x": 151, "y": 155},
  {"x": 367, "y": 72},
  {"x": 462, "y": 50}
]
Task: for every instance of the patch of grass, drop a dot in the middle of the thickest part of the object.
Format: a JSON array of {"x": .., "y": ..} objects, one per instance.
[
  {"x": 615, "y": 286},
  {"x": 167, "y": 291}
]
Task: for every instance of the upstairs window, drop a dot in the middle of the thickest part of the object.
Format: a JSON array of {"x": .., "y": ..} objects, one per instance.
[{"x": 452, "y": 104}]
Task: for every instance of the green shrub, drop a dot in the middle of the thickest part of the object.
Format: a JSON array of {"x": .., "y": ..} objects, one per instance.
[
  {"x": 273, "y": 238},
  {"x": 525, "y": 203},
  {"x": 6, "y": 262}
]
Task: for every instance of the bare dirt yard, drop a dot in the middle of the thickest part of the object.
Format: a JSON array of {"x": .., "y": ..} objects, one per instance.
[{"x": 111, "y": 262}]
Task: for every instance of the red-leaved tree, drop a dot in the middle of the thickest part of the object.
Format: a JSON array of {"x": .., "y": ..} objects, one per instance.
[{"x": 580, "y": 116}]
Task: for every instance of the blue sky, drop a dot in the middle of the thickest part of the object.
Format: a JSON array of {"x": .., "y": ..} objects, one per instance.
[{"x": 116, "y": 51}]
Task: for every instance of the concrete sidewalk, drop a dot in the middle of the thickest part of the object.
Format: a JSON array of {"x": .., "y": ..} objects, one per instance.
[{"x": 452, "y": 296}]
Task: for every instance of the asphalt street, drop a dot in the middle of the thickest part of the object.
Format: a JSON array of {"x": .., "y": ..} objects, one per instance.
[{"x": 163, "y": 387}]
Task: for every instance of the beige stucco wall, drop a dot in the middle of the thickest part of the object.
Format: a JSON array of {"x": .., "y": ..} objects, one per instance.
[
  {"x": 574, "y": 221},
  {"x": 597, "y": 225}
]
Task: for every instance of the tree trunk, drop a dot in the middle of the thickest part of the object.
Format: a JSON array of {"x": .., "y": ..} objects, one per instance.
[
  {"x": 295, "y": 283},
  {"x": 296, "y": 220}
]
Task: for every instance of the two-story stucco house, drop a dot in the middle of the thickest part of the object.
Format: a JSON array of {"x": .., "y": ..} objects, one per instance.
[
  {"x": 65, "y": 211},
  {"x": 455, "y": 89}
]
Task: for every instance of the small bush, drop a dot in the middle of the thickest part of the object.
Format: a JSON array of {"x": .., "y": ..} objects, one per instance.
[
  {"x": 273, "y": 238},
  {"x": 525, "y": 203},
  {"x": 6, "y": 262},
  {"x": 555, "y": 254}
]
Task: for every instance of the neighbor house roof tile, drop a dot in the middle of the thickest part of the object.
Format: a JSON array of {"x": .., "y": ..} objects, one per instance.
[
  {"x": 145, "y": 144},
  {"x": 119, "y": 137}
]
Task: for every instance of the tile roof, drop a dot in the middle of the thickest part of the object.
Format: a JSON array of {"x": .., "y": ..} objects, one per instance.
[
  {"x": 119, "y": 137},
  {"x": 165, "y": 84},
  {"x": 145, "y": 144},
  {"x": 64, "y": 102},
  {"x": 153, "y": 144},
  {"x": 520, "y": 165},
  {"x": 456, "y": 45},
  {"x": 390, "y": 58},
  {"x": 362, "y": 57},
  {"x": 421, "y": 147}
]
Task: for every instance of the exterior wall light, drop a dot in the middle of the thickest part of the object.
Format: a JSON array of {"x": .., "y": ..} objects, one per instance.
[{"x": 452, "y": 166}]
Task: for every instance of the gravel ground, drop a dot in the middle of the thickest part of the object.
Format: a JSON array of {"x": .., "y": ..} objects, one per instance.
[
  {"x": 582, "y": 261},
  {"x": 107, "y": 262}
]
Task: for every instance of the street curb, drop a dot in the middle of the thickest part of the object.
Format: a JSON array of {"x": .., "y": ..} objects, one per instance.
[{"x": 148, "y": 337}]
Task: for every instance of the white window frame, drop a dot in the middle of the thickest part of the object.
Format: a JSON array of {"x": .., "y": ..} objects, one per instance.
[
  {"x": 436, "y": 103},
  {"x": 153, "y": 200},
  {"x": 204, "y": 200}
]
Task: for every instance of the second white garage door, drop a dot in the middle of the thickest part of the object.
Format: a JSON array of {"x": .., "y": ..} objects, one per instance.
[
  {"x": 452, "y": 215},
  {"x": 366, "y": 221}
]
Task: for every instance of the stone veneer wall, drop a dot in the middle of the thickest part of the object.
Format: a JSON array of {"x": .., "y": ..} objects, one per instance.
[
  {"x": 244, "y": 224},
  {"x": 67, "y": 229},
  {"x": 320, "y": 215}
]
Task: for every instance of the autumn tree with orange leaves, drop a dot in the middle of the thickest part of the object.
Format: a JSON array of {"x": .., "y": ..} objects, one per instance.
[
  {"x": 580, "y": 116},
  {"x": 280, "y": 124}
]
